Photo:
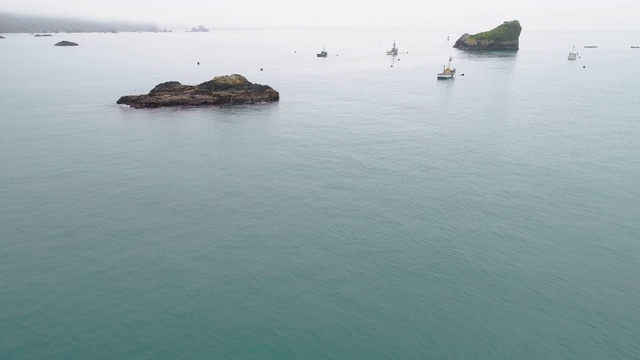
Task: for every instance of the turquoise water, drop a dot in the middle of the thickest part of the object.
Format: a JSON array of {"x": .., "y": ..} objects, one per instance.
[{"x": 373, "y": 213}]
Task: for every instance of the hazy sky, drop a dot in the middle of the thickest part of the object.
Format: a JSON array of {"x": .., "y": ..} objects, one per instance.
[{"x": 464, "y": 15}]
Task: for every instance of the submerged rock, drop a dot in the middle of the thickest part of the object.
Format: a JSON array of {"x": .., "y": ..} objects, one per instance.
[
  {"x": 66, "y": 43},
  {"x": 503, "y": 37},
  {"x": 222, "y": 90}
]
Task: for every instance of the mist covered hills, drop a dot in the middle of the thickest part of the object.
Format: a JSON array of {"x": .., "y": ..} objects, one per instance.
[{"x": 15, "y": 23}]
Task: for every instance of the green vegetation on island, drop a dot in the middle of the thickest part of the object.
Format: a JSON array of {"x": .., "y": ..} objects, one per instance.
[
  {"x": 508, "y": 31},
  {"x": 504, "y": 37}
]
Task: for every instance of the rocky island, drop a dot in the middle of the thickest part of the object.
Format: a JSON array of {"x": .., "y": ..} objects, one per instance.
[
  {"x": 503, "y": 37},
  {"x": 66, "y": 43},
  {"x": 222, "y": 90},
  {"x": 1, "y": 37},
  {"x": 199, "y": 29}
]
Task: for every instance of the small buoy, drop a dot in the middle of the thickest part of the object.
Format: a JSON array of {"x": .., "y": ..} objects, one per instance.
[
  {"x": 198, "y": 62},
  {"x": 461, "y": 74},
  {"x": 583, "y": 66},
  {"x": 398, "y": 59},
  {"x": 260, "y": 69},
  {"x": 294, "y": 52},
  {"x": 391, "y": 65}
]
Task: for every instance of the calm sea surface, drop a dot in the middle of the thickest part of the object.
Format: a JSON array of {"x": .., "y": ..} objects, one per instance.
[{"x": 373, "y": 213}]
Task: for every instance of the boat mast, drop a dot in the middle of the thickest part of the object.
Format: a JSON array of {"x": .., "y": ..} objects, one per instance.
[{"x": 450, "y": 58}]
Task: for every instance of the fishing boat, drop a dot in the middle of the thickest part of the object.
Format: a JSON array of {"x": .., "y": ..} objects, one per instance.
[
  {"x": 394, "y": 49},
  {"x": 323, "y": 53},
  {"x": 448, "y": 72},
  {"x": 590, "y": 47},
  {"x": 573, "y": 55}
]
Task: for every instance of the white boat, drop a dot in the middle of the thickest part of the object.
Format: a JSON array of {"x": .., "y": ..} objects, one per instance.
[
  {"x": 448, "y": 72},
  {"x": 323, "y": 53},
  {"x": 394, "y": 49},
  {"x": 573, "y": 55}
]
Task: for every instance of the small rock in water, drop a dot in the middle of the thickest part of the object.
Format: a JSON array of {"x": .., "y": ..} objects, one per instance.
[{"x": 66, "y": 43}]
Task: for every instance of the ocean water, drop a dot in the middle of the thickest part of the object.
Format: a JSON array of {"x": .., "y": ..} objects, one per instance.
[{"x": 373, "y": 213}]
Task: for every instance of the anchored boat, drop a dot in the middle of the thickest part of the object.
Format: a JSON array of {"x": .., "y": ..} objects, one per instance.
[
  {"x": 394, "y": 49},
  {"x": 573, "y": 55},
  {"x": 448, "y": 72},
  {"x": 323, "y": 53}
]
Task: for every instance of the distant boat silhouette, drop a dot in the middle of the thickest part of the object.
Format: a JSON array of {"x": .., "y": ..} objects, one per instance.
[{"x": 394, "y": 49}]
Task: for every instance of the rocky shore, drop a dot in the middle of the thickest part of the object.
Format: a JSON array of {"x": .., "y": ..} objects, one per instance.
[
  {"x": 222, "y": 90},
  {"x": 504, "y": 37}
]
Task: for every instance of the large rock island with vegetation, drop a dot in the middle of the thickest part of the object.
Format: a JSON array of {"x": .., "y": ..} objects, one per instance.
[
  {"x": 222, "y": 90},
  {"x": 504, "y": 37}
]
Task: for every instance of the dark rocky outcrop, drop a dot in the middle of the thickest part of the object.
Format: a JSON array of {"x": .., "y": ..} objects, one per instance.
[
  {"x": 222, "y": 90},
  {"x": 503, "y": 37},
  {"x": 66, "y": 43},
  {"x": 199, "y": 29},
  {"x": 1, "y": 37}
]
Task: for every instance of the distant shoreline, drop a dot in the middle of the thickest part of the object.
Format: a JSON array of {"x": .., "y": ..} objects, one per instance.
[{"x": 15, "y": 23}]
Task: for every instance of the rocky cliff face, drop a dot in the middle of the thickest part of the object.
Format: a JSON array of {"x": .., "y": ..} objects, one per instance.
[
  {"x": 222, "y": 90},
  {"x": 503, "y": 37}
]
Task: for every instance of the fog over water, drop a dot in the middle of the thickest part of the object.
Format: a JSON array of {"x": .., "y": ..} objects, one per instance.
[{"x": 460, "y": 15}]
